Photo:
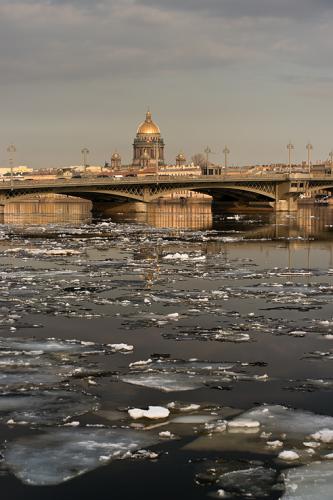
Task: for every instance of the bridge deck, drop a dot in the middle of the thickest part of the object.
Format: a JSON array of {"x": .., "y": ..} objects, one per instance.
[{"x": 280, "y": 189}]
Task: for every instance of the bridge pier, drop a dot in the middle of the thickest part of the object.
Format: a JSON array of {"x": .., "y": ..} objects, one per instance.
[
  {"x": 287, "y": 205},
  {"x": 2, "y": 213}
]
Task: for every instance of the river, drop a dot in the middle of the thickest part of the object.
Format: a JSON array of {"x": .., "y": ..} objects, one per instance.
[{"x": 210, "y": 317}]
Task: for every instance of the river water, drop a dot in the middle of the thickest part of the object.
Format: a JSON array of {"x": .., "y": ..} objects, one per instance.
[{"x": 220, "y": 320}]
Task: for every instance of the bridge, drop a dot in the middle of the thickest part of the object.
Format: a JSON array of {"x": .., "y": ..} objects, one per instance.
[{"x": 278, "y": 191}]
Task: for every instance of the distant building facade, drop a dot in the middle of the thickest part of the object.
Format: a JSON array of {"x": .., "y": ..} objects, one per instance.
[
  {"x": 180, "y": 170},
  {"x": 23, "y": 169}
]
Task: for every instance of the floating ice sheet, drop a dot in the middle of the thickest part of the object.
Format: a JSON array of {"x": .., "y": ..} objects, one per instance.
[
  {"x": 178, "y": 375},
  {"x": 280, "y": 419},
  {"x": 44, "y": 407},
  {"x": 311, "y": 482},
  {"x": 172, "y": 382},
  {"x": 58, "y": 456},
  {"x": 254, "y": 482},
  {"x": 27, "y": 363},
  {"x": 241, "y": 479},
  {"x": 50, "y": 345}
]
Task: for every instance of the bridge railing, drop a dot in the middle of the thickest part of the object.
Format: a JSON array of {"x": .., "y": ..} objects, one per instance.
[
  {"x": 93, "y": 180},
  {"x": 161, "y": 179}
]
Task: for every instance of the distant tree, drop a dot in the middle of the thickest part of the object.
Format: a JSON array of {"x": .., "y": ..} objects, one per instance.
[{"x": 199, "y": 159}]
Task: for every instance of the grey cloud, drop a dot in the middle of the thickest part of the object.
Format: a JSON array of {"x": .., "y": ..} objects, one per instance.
[
  {"x": 80, "y": 39},
  {"x": 246, "y": 8}
]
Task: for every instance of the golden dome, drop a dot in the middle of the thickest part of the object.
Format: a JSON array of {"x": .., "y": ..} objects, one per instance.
[
  {"x": 148, "y": 126},
  {"x": 115, "y": 156}
]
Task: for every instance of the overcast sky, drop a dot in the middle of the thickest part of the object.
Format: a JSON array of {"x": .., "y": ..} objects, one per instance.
[{"x": 252, "y": 74}]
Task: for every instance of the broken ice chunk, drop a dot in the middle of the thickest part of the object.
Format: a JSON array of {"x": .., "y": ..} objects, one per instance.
[
  {"x": 121, "y": 347},
  {"x": 274, "y": 444},
  {"x": 288, "y": 455},
  {"x": 324, "y": 435},
  {"x": 153, "y": 412},
  {"x": 239, "y": 423}
]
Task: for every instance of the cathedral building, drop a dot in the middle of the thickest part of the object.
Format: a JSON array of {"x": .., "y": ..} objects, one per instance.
[{"x": 148, "y": 146}]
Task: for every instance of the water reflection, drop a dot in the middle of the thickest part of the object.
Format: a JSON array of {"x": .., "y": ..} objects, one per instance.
[
  {"x": 307, "y": 223},
  {"x": 193, "y": 215},
  {"x": 47, "y": 212},
  {"x": 196, "y": 216}
]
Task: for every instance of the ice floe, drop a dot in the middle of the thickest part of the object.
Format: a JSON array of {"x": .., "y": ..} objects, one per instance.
[
  {"x": 241, "y": 480},
  {"x": 310, "y": 482},
  {"x": 44, "y": 407},
  {"x": 60, "y": 455},
  {"x": 179, "y": 375},
  {"x": 280, "y": 419}
]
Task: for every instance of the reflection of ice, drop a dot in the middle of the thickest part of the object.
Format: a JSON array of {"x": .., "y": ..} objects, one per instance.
[{"x": 60, "y": 455}]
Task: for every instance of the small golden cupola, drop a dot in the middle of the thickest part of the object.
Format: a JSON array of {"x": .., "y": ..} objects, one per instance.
[
  {"x": 116, "y": 160},
  {"x": 148, "y": 126},
  {"x": 180, "y": 159}
]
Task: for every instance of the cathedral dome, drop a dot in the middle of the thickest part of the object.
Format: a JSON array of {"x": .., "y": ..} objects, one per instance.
[
  {"x": 148, "y": 126},
  {"x": 115, "y": 156}
]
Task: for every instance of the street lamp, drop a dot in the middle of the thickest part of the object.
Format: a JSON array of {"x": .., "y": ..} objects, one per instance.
[
  {"x": 207, "y": 151},
  {"x": 85, "y": 152},
  {"x": 290, "y": 147},
  {"x": 331, "y": 157},
  {"x": 226, "y": 152},
  {"x": 309, "y": 148},
  {"x": 11, "y": 150}
]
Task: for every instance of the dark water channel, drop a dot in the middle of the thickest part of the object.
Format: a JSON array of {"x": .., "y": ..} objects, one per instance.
[{"x": 225, "y": 313}]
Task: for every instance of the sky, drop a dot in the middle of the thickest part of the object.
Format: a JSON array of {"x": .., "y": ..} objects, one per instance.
[{"x": 250, "y": 74}]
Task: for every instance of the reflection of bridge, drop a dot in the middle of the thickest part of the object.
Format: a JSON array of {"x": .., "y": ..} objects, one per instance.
[{"x": 280, "y": 191}]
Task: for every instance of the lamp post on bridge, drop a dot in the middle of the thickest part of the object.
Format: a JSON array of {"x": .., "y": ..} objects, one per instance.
[
  {"x": 11, "y": 150},
  {"x": 85, "y": 152},
  {"x": 290, "y": 148},
  {"x": 331, "y": 157},
  {"x": 226, "y": 153},
  {"x": 207, "y": 152},
  {"x": 309, "y": 148}
]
